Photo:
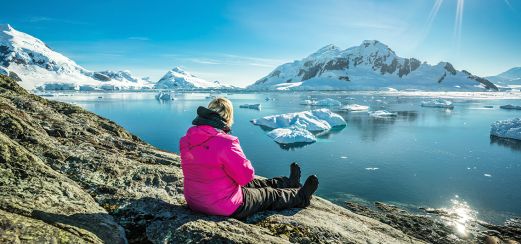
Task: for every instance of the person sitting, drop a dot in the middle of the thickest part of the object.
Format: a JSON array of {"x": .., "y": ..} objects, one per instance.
[{"x": 219, "y": 179}]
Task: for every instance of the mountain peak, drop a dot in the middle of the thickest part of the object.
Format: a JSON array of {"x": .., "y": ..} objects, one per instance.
[
  {"x": 326, "y": 51},
  {"x": 374, "y": 43},
  {"x": 178, "y": 69}
]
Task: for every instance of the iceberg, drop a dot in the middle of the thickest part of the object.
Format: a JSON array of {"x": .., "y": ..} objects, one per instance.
[
  {"x": 252, "y": 106},
  {"x": 291, "y": 135},
  {"x": 354, "y": 107},
  {"x": 437, "y": 103},
  {"x": 510, "y": 106},
  {"x": 164, "y": 96},
  {"x": 507, "y": 128},
  {"x": 315, "y": 120},
  {"x": 309, "y": 102},
  {"x": 328, "y": 102},
  {"x": 382, "y": 114}
]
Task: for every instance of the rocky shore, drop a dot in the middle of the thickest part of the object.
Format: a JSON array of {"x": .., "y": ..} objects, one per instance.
[{"x": 70, "y": 176}]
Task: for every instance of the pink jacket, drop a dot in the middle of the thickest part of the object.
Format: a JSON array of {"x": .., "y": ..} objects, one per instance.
[{"x": 214, "y": 169}]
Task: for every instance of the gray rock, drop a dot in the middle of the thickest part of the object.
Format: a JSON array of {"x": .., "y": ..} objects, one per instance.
[{"x": 68, "y": 175}]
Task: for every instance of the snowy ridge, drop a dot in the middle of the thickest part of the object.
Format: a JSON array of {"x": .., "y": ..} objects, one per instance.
[
  {"x": 370, "y": 66},
  {"x": 509, "y": 78},
  {"x": 178, "y": 78},
  {"x": 41, "y": 68}
]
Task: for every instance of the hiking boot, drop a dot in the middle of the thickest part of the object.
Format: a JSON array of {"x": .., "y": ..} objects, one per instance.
[
  {"x": 306, "y": 191},
  {"x": 294, "y": 175}
]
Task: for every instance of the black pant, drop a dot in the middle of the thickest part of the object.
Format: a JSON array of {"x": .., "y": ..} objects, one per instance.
[{"x": 267, "y": 194}]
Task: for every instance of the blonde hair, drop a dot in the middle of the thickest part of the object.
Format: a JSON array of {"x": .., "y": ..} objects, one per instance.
[{"x": 224, "y": 108}]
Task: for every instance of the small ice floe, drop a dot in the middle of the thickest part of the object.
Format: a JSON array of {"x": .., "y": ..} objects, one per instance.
[
  {"x": 291, "y": 135},
  {"x": 510, "y": 128},
  {"x": 382, "y": 114},
  {"x": 343, "y": 157},
  {"x": 372, "y": 169},
  {"x": 328, "y": 102},
  {"x": 437, "y": 103},
  {"x": 309, "y": 102},
  {"x": 487, "y": 175},
  {"x": 314, "y": 120},
  {"x": 251, "y": 106},
  {"x": 354, "y": 107},
  {"x": 510, "y": 106},
  {"x": 164, "y": 96}
]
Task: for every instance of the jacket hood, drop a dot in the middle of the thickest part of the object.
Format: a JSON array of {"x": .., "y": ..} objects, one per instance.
[{"x": 211, "y": 118}]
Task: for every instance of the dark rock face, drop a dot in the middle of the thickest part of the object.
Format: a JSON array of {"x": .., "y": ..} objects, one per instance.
[
  {"x": 70, "y": 176},
  {"x": 432, "y": 229},
  {"x": 100, "y": 76}
]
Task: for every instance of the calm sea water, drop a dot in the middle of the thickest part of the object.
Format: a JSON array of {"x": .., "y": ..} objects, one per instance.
[{"x": 425, "y": 157}]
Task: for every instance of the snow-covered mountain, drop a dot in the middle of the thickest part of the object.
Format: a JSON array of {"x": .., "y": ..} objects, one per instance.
[
  {"x": 511, "y": 77},
  {"x": 372, "y": 65},
  {"x": 179, "y": 79},
  {"x": 40, "y": 68}
]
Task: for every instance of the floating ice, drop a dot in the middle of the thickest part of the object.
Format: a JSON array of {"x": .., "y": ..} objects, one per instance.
[
  {"x": 510, "y": 106},
  {"x": 354, "y": 107},
  {"x": 309, "y": 102},
  {"x": 328, "y": 102},
  {"x": 487, "y": 175},
  {"x": 382, "y": 114},
  {"x": 437, "y": 103},
  {"x": 314, "y": 120},
  {"x": 507, "y": 128},
  {"x": 292, "y": 134},
  {"x": 371, "y": 168},
  {"x": 164, "y": 96},
  {"x": 252, "y": 106}
]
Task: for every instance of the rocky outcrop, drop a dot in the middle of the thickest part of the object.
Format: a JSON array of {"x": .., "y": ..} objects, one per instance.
[
  {"x": 67, "y": 175},
  {"x": 440, "y": 225}
]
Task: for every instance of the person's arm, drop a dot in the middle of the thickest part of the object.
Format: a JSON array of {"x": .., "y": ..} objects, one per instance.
[{"x": 236, "y": 165}]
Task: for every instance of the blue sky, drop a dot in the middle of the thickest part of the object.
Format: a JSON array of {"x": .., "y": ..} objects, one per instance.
[{"x": 240, "y": 41}]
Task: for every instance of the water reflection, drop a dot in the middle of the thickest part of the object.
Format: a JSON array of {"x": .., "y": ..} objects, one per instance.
[
  {"x": 294, "y": 146},
  {"x": 515, "y": 145},
  {"x": 373, "y": 128},
  {"x": 460, "y": 216}
]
